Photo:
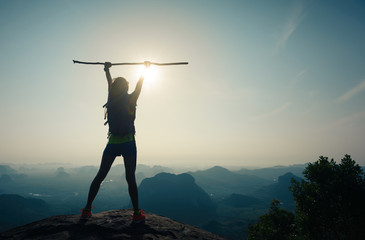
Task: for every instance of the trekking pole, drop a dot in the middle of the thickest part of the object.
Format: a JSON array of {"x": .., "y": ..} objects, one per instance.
[{"x": 137, "y": 63}]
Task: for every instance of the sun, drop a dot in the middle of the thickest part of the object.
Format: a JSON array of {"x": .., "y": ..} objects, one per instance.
[{"x": 150, "y": 75}]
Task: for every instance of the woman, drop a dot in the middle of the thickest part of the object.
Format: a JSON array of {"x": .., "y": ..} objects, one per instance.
[{"x": 121, "y": 112}]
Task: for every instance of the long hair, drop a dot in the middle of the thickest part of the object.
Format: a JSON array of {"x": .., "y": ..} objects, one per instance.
[{"x": 119, "y": 86}]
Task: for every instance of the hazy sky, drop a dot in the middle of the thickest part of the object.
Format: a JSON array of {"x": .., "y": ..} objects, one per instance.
[{"x": 268, "y": 82}]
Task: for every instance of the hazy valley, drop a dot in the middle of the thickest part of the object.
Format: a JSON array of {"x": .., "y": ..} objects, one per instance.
[{"x": 216, "y": 199}]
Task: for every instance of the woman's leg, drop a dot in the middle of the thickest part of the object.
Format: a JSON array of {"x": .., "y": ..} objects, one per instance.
[
  {"x": 130, "y": 169},
  {"x": 106, "y": 163}
]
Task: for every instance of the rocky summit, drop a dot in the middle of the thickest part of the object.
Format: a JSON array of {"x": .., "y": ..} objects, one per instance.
[{"x": 113, "y": 224}]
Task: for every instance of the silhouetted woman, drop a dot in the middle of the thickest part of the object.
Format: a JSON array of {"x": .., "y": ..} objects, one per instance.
[{"x": 121, "y": 112}]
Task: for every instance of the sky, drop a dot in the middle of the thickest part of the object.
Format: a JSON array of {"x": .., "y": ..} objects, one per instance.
[{"x": 268, "y": 82}]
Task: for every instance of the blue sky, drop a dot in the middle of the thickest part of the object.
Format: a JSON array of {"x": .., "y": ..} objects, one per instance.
[{"x": 268, "y": 82}]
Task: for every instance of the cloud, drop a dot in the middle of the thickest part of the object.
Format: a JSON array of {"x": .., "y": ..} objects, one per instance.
[
  {"x": 352, "y": 92},
  {"x": 292, "y": 24},
  {"x": 274, "y": 112},
  {"x": 347, "y": 120},
  {"x": 297, "y": 77}
]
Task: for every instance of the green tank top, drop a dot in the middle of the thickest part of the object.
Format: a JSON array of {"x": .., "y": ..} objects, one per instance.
[{"x": 115, "y": 139}]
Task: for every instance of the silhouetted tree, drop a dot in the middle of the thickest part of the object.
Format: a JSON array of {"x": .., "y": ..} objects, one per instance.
[
  {"x": 330, "y": 202},
  {"x": 278, "y": 224}
]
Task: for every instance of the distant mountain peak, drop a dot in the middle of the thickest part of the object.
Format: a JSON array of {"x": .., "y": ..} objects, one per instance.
[
  {"x": 5, "y": 169},
  {"x": 113, "y": 224},
  {"x": 176, "y": 196},
  {"x": 286, "y": 178},
  {"x": 173, "y": 177},
  {"x": 218, "y": 168}
]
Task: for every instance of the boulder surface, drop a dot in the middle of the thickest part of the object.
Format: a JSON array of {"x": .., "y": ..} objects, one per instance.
[{"x": 113, "y": 224}]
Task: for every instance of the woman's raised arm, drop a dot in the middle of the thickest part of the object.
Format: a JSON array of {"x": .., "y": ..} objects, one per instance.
[{"x": 108, "y": 65}]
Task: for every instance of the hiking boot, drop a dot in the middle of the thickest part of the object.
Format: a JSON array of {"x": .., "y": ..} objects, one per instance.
[
  {"x": 86, "y": 213},
  {"x": 138, "y": 216}
]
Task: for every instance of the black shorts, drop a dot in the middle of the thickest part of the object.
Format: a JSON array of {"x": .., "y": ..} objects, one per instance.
[{"x": 127, "y": 149}]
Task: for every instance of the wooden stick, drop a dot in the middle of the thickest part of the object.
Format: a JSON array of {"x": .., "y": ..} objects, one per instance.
[{"x": 138, "y": 63}]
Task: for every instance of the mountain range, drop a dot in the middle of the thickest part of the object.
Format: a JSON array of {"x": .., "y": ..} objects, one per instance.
[
  {"x": 219, "y": 182},
  {"x": 216, "y": 199}
]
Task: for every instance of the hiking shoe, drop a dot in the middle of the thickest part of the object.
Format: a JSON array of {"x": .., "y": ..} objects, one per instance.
[
  {"x": 86, "y": 213},
  {"x": 139, "y": 217}
]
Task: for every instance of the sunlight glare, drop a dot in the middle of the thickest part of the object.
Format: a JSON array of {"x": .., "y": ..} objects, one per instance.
[{"x": 150, "y": 75}]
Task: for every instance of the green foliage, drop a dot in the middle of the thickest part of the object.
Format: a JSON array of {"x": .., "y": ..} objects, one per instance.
[
  {"x": 330, "y": 205},
  {"x": 330, "y": 202},
  {"x": 278, "y": 224}
]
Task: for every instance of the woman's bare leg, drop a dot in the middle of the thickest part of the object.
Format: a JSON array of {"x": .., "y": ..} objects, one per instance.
[
  {"x": 106, "y": 163},
  {"x": 130, "y": 169}
]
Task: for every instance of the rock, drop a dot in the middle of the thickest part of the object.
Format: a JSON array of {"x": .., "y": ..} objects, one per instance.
[{"x": 113, "y": 224}]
